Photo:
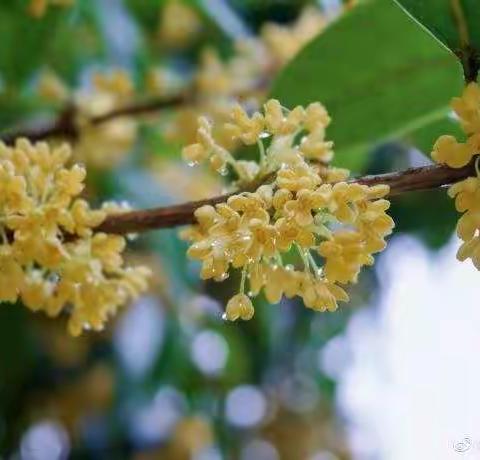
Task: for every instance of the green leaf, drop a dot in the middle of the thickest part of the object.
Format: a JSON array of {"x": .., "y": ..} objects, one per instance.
[
  {"x": 378, "y": 74},
  {"x": 424, "y": 137},
  {"x": 452, "y": 22},
  {"x": 24, "y": 41}
]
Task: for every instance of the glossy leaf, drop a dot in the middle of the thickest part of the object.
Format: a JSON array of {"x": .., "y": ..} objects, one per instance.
[
  {"x": 377, "y": 73},
  {"x": 453, "y": 22}
]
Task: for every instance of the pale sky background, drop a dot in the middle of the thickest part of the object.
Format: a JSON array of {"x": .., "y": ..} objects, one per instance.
[{"x": 412, "y": 388}]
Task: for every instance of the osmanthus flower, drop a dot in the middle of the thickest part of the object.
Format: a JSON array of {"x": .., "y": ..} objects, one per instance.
[
  {"x": 456, "y": 155},
  {"x": 51, "y": 257},
  {"x": 293, "y": 212},
  {"x": 447, "y": 149},
  {"x": 98, "y": 145}
]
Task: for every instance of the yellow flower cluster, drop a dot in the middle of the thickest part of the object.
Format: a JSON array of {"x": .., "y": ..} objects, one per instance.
[
  {"x": 467, "y": 201},
  {"x": 447, "y": 149},
  {"x": 50, "y": 257},
  {"x": 456, "y": 155},
  {"x": 255, "y": 231},
  {"x": 38, "y": 8},
  {"x": 99, "y": 145}
]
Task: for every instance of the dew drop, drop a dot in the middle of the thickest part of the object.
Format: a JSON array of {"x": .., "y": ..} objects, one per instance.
[
  {"x": 192, "y": 163},
  {"x": 224, "y": 317},
  {"x": 264, "y": 135},
  {"x": 250, "y": 294},
  {"x": 274, "y": 267},
  {"x": 289, "y": 268}
]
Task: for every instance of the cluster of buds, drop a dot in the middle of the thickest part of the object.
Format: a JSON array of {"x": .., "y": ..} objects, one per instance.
[
  {"x": 50, "y": 256},
  {"x": 456, "y": 155},
  {"x": 334, "y": 226}
]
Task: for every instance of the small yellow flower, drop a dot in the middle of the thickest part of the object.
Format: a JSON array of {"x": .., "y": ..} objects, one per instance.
[
  {"x": 316, "y": 117},
  {"x": 290, "y": 232},
  {"x": 468, "y": 224},
  {"x": 239, "y": 307},
  {"x": 246, "y": 128},
  {"x": 467, "y": 107},
  {"x": 297, "y": 177},
  {"x": 301, "y": 208},
  {"x": 321, "y": 295},
  {"x": 470, "y": 249},
  {"x": 344, "y": 254},
  {"x": 38, "y": 264},
  {"x": 283, "y": 124},
  {"x": 454, "y": 154},
  {"x": 314, "y": 147},
  {"x": 280, "y": 281},
  {"x": 466, "y": 194}
]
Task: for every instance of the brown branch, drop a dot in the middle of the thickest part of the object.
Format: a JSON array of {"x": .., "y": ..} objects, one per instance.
[
  {"x": 64, "y": 125},
  {"x": 413, "y": 179}
]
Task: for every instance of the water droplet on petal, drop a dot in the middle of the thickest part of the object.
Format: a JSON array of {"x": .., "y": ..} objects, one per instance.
[
  {"x": 222, "y": 277},
  {"x": 224, "y": 317}
]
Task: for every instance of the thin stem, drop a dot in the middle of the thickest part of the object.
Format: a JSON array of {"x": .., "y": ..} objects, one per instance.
[
  {"x": 263, "y": 157},
  {"x": 306, "y": 262},
  {"x": 467, "y": 54},
  {"x": 242, "y": 281},
  {"x": 314, "y": 264}
]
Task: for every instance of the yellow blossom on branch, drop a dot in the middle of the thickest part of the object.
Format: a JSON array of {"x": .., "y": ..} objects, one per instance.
[
  {"x": 456, "y": 155},
  {"x": 254, "y": 231},
  {"x": 51, "y": 257}
]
